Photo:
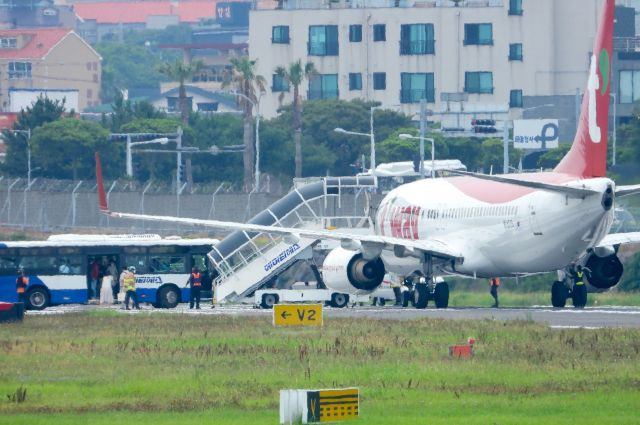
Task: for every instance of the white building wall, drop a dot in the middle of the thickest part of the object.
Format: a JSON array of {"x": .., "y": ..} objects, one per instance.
[
  {"x": 557, "y": 38},
  {"x": 22, "y": 99}
]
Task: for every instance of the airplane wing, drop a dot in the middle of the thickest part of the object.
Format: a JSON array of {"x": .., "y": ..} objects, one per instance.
[
  {"x": 371, "y": 243},
  {"x": 620, "y": 239},
  {"x": 348, "y": 240},
  {"x": 627, "y": 190},
  {"x": 574, "y": 192}
]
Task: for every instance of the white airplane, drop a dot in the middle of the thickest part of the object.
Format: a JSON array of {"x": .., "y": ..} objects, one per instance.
[{"x": 486, "y": 226}]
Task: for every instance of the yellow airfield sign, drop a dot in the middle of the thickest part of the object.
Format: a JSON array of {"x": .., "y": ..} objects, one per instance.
[
  {"x": 297, "y": 315},
  {"x": 332, "y": 405}
]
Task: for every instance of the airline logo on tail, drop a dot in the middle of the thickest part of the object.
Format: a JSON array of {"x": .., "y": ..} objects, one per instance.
[{"x": 595, "y": 132}]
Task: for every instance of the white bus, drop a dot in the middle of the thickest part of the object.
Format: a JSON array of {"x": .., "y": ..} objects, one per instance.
[{"x": 59, "y": 269}]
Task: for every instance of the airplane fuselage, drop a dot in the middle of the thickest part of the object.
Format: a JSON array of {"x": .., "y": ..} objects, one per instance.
[{"x": 500, "y": 229}]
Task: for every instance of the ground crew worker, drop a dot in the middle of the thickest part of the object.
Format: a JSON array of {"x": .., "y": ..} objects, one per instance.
[
  {"x": 578, "y": 274},
  {"x": 495, "y": 284},
  {"x": 129, "y": 283},
  {"x": 195, "y": 285},
  {"x": 396, "y": 284},
  {"x": 21, "y": 285}
]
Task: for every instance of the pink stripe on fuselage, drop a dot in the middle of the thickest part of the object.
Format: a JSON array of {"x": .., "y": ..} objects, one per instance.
[{"x": 497, "y": 193}]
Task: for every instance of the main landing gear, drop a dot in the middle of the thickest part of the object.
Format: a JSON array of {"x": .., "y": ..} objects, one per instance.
[
  {"x": 561, "y": 290},
  {"x": 426, "y": 289}
]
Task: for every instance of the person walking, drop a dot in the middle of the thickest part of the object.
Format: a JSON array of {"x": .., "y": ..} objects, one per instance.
[
  {"x": 21, "y": 286},
  {"x": 112, "y": 270},
  {"x": 94, "y": 276},
  {"x": 495, "y": 284},
  {"x": 106, "y": 290},
  {"x": 195, "y": 285},
  {"x": 396, "y": 285},
  {"x": 129, "y": 283}
]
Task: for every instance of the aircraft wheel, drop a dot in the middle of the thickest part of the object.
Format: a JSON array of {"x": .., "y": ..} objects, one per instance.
[
  {"x": 421, "y": 296},
  {"x": 559, "y": 294},
  {"x": 579, "y": 296},
  {"x": 441, "y": 295}
]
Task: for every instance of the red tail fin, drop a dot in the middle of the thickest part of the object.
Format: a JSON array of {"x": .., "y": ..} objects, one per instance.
[
  {"x": 102, "y": 197},
  {"x": 588, "y": 154}
]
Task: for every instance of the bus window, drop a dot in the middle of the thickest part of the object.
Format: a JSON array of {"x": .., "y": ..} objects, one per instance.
[
  {"x": 70, "y": 264},
  {"x": 199, "y": 261},
  {"x": 8, "y": 265},
  {"x": 167, "y": 264},
  {"x": 137, "y": 261},
  {"x": 39, "y": 265},
  {"x": 168, "y": 249}
]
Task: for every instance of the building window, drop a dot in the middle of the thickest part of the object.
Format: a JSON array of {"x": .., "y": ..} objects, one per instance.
[
  {"x": 515, "y": 99},
  {"x": 8, "y": 43},
  {"x": 355, "y": 33},
  {"x": 19, "y": 70},
  {"x": 89, "y": 93},
  {"x": 478, "y": 82},
  {"x": 355, "y": 81},
  {"x": 207, "y": 106},
  {"x": 515, "y": 7},
  {"x": 280, "y": 34},
  {"x": 173, "y": 104},
  {"x": 279, "y": 84},
  {"x": 323, "y": 86},
  {"x": 379, "y": 80},
  {"x": 478, "y": 34},
  {"x": 379, "y": 32},
  {"x": 629, "y": 86},
  {"x": 416, "y": 86},
  {"x": 515, "y": 52},
  {"x": 323, "y": 40},
  {"x": 416, "y": 39}
]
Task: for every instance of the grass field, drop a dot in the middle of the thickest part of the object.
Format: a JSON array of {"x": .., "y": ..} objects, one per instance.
[{"x": 109, "y": 368}]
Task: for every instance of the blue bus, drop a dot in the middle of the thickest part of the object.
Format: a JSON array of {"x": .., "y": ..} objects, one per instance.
[{"x": 59, "y": 269}]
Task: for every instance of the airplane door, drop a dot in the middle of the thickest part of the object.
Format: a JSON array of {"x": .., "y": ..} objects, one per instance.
[{"x": 534, "y": 223}]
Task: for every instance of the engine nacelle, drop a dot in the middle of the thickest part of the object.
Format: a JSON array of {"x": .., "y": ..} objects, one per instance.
[
  {"x": 605, "y": 271},
  {"x": 346, "y": 271}
]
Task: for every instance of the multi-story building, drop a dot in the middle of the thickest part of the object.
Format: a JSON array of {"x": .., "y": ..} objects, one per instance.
[
  {"x": 51, "y": 59},
  {"x": 483, "y": 55}
]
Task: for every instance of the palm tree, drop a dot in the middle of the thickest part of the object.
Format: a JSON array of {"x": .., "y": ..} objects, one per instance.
[
  {"x": 294, "y": 75},
  {"x": 248, "y": 84},
  {"x": 180, "y": 71}
]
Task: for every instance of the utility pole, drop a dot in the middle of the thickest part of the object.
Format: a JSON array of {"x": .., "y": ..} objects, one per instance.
[
  {"x": 423, "y": 118},
  {"x": 505, "y": 145},
  {"x": 178, "y": 159}
]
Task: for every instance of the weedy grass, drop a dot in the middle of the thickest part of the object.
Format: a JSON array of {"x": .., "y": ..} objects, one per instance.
[
  {"x": 110, "y": 368},
  {"x": 528, "y": 299}
]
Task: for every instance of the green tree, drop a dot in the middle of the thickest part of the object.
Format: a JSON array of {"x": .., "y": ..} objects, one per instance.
[
  {"x": 126, "y": 66},
  {"x": 552, "y": 157},
  {"x": 247, "y": 83},
  {"x": 124, "y": 111},
  {"x": 65, "y": 149},
  {"x": 181, "y": 72},
  {"x": 42, "y": 111},
  {"x": 294, "y": 75}
]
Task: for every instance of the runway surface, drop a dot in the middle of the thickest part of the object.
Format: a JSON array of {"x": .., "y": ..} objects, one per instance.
[{"x": 592, "y": 317}]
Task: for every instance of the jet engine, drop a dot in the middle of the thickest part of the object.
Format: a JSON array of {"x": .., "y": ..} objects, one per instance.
[
  {"x": 348, "y": 272},
  {"x": 606, "y": 270}
]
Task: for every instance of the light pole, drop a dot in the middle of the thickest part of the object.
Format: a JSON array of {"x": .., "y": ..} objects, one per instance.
[
  {"x": 28, "y": 133},
  {"x": 368, "y": 135},
  {"x": 433, "y": 151},
  {"x": 257, "y": 106},
  {"x": 160, "y": 140}
]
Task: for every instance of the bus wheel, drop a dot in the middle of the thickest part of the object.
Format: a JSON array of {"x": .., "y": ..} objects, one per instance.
[
  {"x": 168, "y": 297},
  {"x": 37, "y": 299}
]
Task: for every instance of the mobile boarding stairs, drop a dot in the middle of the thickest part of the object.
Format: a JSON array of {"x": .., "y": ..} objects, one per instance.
[{"x": 246, "y": 261}]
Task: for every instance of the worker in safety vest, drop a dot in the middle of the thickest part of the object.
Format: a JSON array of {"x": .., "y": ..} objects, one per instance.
[
  {"x": 494, "y": 282},
  {"x": 21, "y": 286},
  {"x": 195, "y": 285},
  {"x": 129, "y": 283},
  {"x": 579, "y": 275}
]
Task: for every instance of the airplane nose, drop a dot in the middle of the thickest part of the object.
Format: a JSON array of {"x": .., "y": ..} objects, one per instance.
[{"x": 607, "y": 199}]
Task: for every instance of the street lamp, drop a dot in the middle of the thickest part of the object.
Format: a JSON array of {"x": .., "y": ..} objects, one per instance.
[
  {"x": 257, "y": 106},
  {"x": 433, "y": 152},
  {"x": 370, "y": 135},
  {"x": 28, "y": 133},
  {"x": 160, "y": 140}
]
